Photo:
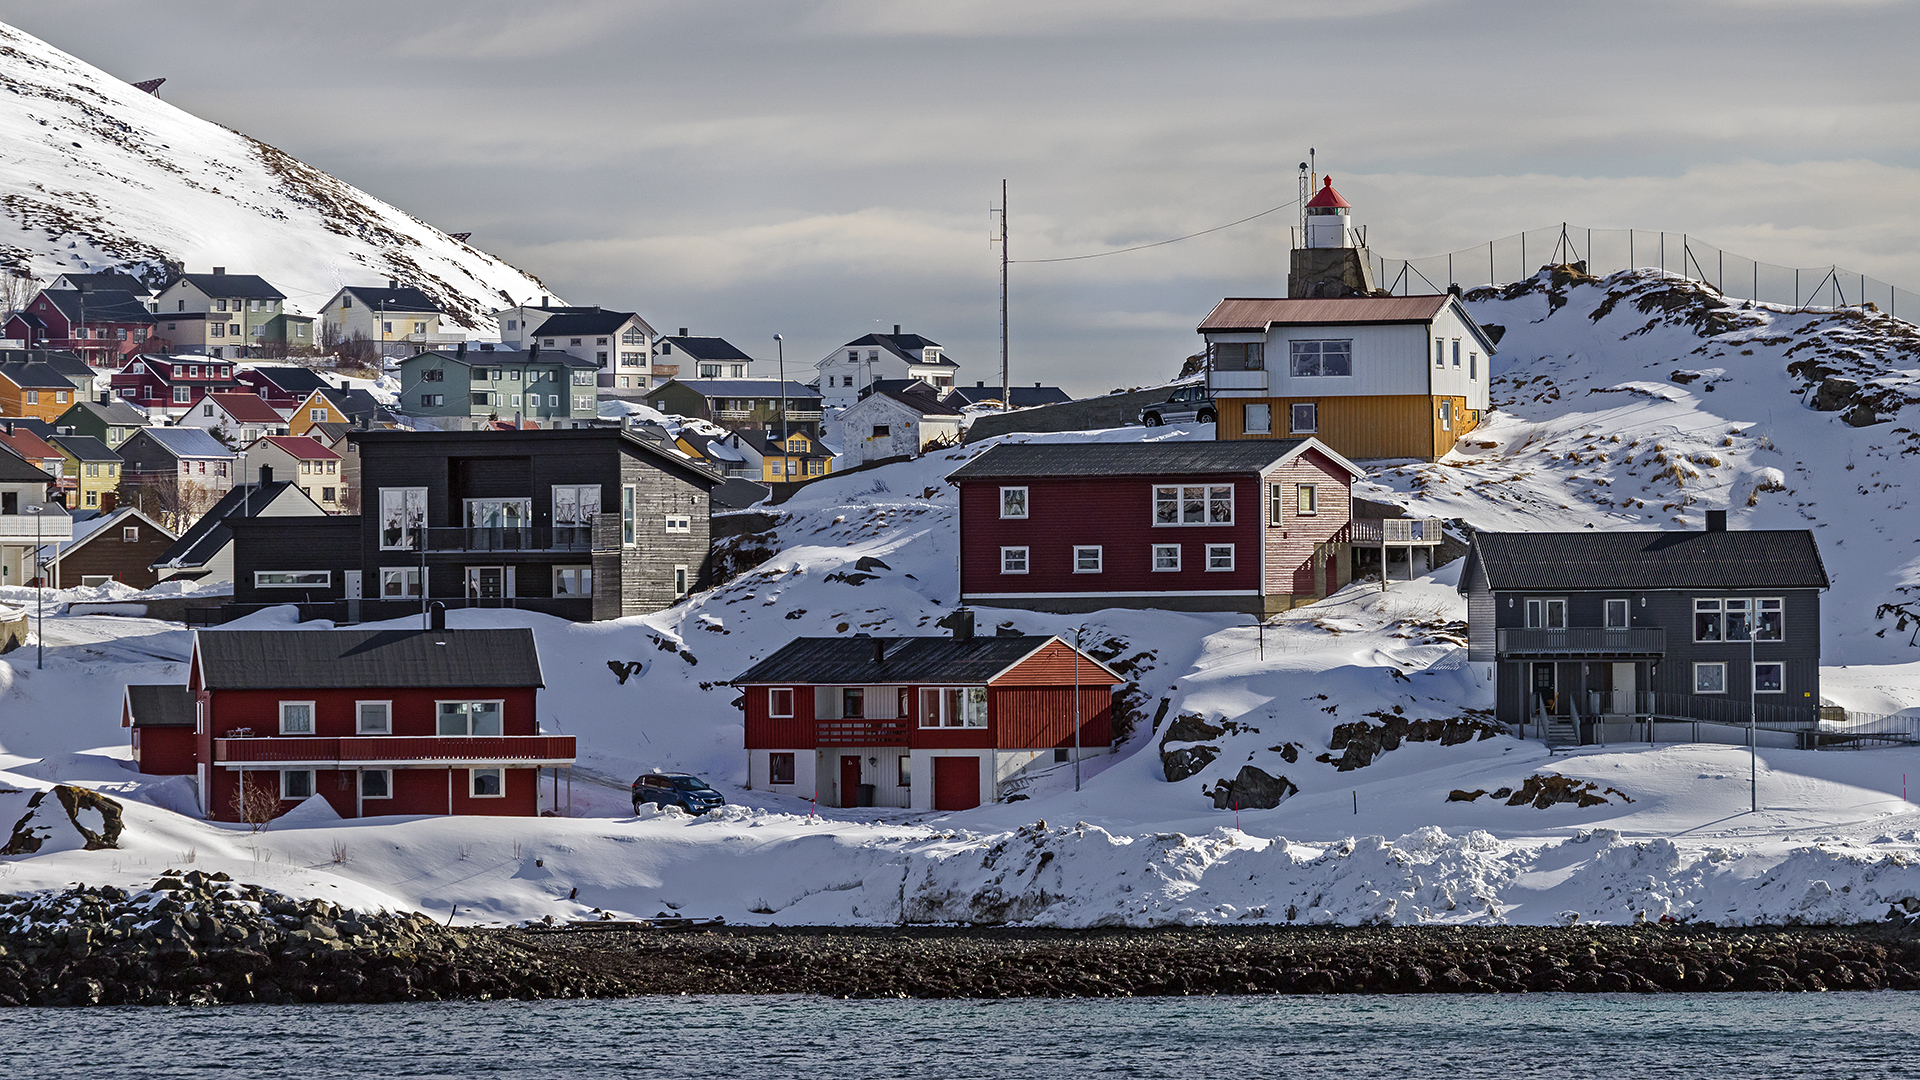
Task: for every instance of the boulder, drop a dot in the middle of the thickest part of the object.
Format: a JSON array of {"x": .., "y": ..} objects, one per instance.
[
  {"x": 73, "y": 814},
  {"x": 1180, "y": 764},
  {"x": 1253, "y": 789}
]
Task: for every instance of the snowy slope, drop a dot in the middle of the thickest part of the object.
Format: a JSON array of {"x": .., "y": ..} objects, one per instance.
[{"x": 97, "y": 175}]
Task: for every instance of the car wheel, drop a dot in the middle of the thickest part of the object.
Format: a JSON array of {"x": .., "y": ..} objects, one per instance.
[
  {"x": 1206, "y": 416},
  {"x": 636, "y": 806},
  {"x": 1151, "y": 420}
]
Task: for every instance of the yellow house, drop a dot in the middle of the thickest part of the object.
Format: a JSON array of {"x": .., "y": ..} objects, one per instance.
[
  {"x": 92, "y": 464},
  {"x": 783, "y": 461},
  {"x": 318, "y": 408}
]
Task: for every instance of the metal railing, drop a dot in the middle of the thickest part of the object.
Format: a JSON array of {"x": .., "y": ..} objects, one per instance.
[
  {"x": 860, "y": 733},
  {"x": 529, "y": 538},
  {"x": 1732, "y": 711},
  {"x": 282, "y": 749},
  {"x": 1397, "y": 531},
  {"x": 1582, "y": 641}
]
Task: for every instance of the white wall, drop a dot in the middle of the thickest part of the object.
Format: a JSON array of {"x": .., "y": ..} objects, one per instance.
[
  {"x": 1386, "y": 360},
  {"x": 837, "y": 370}
]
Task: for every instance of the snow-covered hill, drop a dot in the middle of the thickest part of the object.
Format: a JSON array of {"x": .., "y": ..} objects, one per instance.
[{"x": 96, "y": 175}]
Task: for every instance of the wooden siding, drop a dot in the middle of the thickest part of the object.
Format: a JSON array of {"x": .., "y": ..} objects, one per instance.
[
  {"x": 1480, "y": 619},
  {"x": 1296, "y": 551},
  {"x": 765, "y": 732},
  {"x": 1383, "y": 426},
  {"x": 646, "y": 567},
  {"x": 296, "y": 543},
  {"x": 127, "y": 563},
  {"x": 1032, "y": 718},
  {"x": 1053, "y": 664}
]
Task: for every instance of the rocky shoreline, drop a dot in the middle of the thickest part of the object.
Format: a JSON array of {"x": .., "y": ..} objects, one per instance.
[{"x": 197, "y": 939}]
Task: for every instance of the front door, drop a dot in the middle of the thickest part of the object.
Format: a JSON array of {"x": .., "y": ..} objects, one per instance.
[
  {"x": 486, "y": 582},
  {"x": 849, "y": 780},
  {"x": 1623, "y": 690},
  {"x": 1543, "y": 690},
  {"x": 353, "y": 584}
]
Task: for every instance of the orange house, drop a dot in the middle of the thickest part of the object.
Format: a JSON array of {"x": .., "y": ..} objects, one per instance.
[{"x": 35, "y": 389}]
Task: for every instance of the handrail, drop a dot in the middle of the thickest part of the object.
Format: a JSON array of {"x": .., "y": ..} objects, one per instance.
[{"x": 1638, "y": 641}]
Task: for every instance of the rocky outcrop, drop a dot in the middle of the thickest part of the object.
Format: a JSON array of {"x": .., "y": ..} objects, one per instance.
[
  {"x": 1360, "y": 742},
  {"x": 1253, "y": 789},
  {"x": 1554, "y": 790},
  {"x": 96, "y": 818},
  {"x": 1178, "y": 763}
]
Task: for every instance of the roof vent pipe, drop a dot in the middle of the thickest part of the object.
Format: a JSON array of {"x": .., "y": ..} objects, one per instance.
[
  {"x": 437, "y": 615},
  {"x": 1716, "y": 521},
  {"x": 879, "y": 649}
]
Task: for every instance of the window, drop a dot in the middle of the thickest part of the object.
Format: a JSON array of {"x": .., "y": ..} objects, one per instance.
[
  {"x": 373, "y": 717},
  {"x": 585, "y": 378},
  {"x": 92, "y": 580},
  {"x": 485, "y": 784},
  {"x": 573, "y": 581},
  {"x": 582, "y": 403},
  {"x": 180, "y": 395},
  {"x": 419, "y": 328},
  {"x": 479, "y": 719},
  {"x": 1259, "y": 419},
  {"x": 853, "y": 702},
  {"x": 514, "y": 375},
  {"x": 1439, "y": 352},
  {"x": 130, "y": 534},
  {"x": 953, "y": 706},
  {"x": 679, "y": 581},
  {"x": 1446, "y": 415},
  {"x": 1770, "y": 678},
  {"x": 548, "y": 342},
  {"x": 906, "y": 770},
  {"x": 386, "y": 327},
  {"x": 1304, "y": 418},
  {"x": 632, "y": 359},
  {"x": 1770, "y": 626},
  {"x": 1546, "y": 614},
  {"x": 1706, "y": 620},
  {"x": 626, "y": 515},
  {"x": 292, "y": 579},
  {"x": 296, "y": 718},
  {"x": 1617, "y": 614},
  {"x": 780, "y": 768},
  {"x": 296, "y": 783},
  {"x": 306, "y": 468},
  {"x": 516, "y": 401},
  {"x": 679, "y": 524},
  {"x": 1219, "y": 556},
  {"x": 219, "y": 305},
  {"x": 1317, "y": 358},
  {"x": 1193, "y": 504},
  {"x": 1237, "y": 356},
  {"x": 399, "y": 582},
  {"x": 633, "y": 336},
  {"x": 601, "y": 356},
  {"x": 1709, "y": 678},
  {"x": 1013, "y": 502},
  {"x": 376, "y": 783},
  {"x": 780, "y": 702},
  {"x": 1739, "y": 621},
  {"x": 481, "y": 374},
  {"x": 882, "y": 431},
  {"x": 403, "y": 513},
  {"x": 1086, "y": 560},
  {"x": 1473, "y": 365},
  {"x": 318, "y": 416},
  {"x": 1307, "y": 498},
  {"x": 1166, "y": 557},
  {"x": 499, "y": 513},
  {"x": 1013, "y": 560}
]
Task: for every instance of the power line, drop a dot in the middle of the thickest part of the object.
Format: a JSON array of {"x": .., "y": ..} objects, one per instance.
[{"x": 1164, "y": 243}]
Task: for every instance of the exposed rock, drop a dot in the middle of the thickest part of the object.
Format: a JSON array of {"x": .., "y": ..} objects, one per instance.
[
  {"x": 1360, "y": 742},
  {"x": 1457, "y": 795},
  {"x": 1834, "y": 394},
  {"x": 1190, "y": 727},
  {"x": 1553, "y": 790},
  {"x": 1253, "y": 789},
  {"x": 95, "y": 817},
  {"x": 1180, "y": 764}
]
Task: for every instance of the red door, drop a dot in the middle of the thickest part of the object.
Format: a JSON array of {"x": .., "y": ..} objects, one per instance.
[
  {"x": 849, "y": 780},
  {"x": 956, "y": 783}
]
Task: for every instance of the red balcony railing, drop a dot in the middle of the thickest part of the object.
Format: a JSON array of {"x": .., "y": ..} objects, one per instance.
[{"x": 518, "y": 749}]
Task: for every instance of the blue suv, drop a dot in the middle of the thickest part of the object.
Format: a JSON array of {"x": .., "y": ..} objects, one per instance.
[{"x": 684, "y": 790}]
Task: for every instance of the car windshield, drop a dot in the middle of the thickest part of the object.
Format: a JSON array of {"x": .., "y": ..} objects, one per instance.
[{"x": 690, "y": 783}]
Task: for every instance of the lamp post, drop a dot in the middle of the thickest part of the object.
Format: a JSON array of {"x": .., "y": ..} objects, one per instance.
[
  {"x": 780, "y": 343},
  {"x": 1076, "y": 706},
  {"x": 39, "y": 593},
  {"x": 1753, "y": 709}
]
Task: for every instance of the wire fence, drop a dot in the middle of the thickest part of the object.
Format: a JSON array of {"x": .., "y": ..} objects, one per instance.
[{"x": 1605, "y": 251}]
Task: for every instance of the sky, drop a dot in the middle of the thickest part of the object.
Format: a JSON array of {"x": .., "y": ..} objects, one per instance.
[{"x": 823, "y": 169}]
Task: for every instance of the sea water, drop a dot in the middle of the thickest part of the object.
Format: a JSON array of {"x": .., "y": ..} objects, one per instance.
[{"x": 1731, "y": 1036}]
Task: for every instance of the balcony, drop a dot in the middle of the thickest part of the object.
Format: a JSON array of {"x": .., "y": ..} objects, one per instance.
[
  {"x": 803, "y": 414},
  {"x": 532, "y": 750},
  {"x": 860, "y": 733},
  {"x": 509, "y": 540},
  {"x": 1396, "y": 531},
  {"x": 1237, "y": 380},
  {"x": 1583, "y": 643},
  {"x": 45, "y": 528},
  {"x": 733, "y": 414}
]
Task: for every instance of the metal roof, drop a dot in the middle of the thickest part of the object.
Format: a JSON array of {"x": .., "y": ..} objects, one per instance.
[
  {"x": 1024, "y": 397},
  {"x": 15, "y": 469},
  {"x": 245, "y": 407},
  {"x": 160, "y": 706},
  {"x": 112, "y": 411},
  {"x": 36, "y": 375},
  {"x": 851, "y": 660},
  {"x": 203, "y": 541},
  {"x": 186, "y": 441},
  {"x": 1260, "y": 313},
  {"x": 300, "y": 446},
  {"x": 746, "y": 388},
  {"x": 583, "y": 323},
  {"x": 708, "y": 348},
  {"x": 297, "y": 381},
  {"x": 356, "y": 658},
  {"x": 101, "y": 306},
  {"x": 1326, "y": 196},
  {"x": 396, "y": 301},
  {"x": 84, "y": 448},
  {"x": 1022, "y": 460},
  {"x": 228, "y": 286},
  {"x": 1579, "y": 561}
]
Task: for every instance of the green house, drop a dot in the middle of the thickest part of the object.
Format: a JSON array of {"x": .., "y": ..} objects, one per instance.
[{"x": 551, "y": 389}]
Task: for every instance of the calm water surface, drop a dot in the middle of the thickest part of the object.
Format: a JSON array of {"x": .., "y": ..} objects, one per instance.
[{"x": 1732, "y": 1036}]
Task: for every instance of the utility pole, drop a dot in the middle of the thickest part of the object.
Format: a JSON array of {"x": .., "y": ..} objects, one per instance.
[
  {"x": 1006, "y": 382},
  {"x": 1076, "y": 706}
]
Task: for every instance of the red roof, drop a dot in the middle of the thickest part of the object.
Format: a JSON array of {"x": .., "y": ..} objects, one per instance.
[
  {"x": 1327, "y": 197},
  {"x": 247, "y": 408},
  {"x": 1241, "y": 313},
  {"x": 29, "y": 446},
  {"x": 301, "y": 446}
]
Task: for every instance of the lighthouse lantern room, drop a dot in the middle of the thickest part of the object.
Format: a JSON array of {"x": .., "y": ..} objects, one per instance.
[{"x": 1330, "y": 219}]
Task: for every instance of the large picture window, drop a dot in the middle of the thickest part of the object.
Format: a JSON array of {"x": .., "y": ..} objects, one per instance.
[
  {"x": 1317, "y": 358},
  {"x": 1739, "y": 619},
  {"x": 953, "y": 706},
  {"x": 403, "y": 513},
  {"x": 292, "y": 579},
  {"x": 469, "y": 718},
  {"x": 1193, "y": 504},
  {"x": 573, "y": 581},
  {"x": 576, "y": 505}
]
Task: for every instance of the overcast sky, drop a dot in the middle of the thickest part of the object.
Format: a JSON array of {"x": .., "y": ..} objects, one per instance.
[{"x": 824, "y": 169}]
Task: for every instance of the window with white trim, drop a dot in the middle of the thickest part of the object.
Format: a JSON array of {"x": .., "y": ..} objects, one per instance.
[
  {"x": 627, "y": 522},
  {"x": 373, "y": 717},
  {"x": 399, "y": 582},
  {"x": 780, "y": 702},
  {"x": 1439, "y": 352},
  {"x": 679, "y": 523},
  {"x": 1166, "y": 557},
  {"x": 1707, "y": 620},
  {"x": 292, "y": 579},
  {"x": 1306, "y": 499},
  {"x": 1618, "y": 614},
  {"x": 680, "y": 581},
  {"x": 1304, "y": 418},
  {"x": 1086, "y": 559},
  {"x": 403, "y": 513},
  {"x": 573, "y": 581},
  {"x": 1257, "y": 419},
  {"x": 1013, "y": 502},
  {"x": 1770, "y": 677},
  {"x": 1709, "y": 678},
  {"x": 486, "y": 783},
  {"x": 296, "y": 718},
  {"x": 1321, "y": 358},
  {"x": 1219, "y": 556},
  {"x": 1546, "y": 613},
  {"x": 953, "y": 706},
  {"x": 295, "y": 783},
  {"x": 1770, "y": 619},
  {"x": 1193, "y": 504},
  {"x": 1013, "y": 560},
  {"x": 476, "y": 719},
  {"x": 376, "y": 783}
]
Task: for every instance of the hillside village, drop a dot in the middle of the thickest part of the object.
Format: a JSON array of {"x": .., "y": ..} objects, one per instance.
[{"x": 1492, "y": 570}]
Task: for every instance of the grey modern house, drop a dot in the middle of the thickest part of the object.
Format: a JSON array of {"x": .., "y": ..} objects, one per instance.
[
  {"x": 1605, "y": 627},
  {"x": 474, "y": 387}
]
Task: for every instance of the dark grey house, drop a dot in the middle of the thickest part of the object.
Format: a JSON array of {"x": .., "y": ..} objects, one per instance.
[{"x": 1610, "y": 627}]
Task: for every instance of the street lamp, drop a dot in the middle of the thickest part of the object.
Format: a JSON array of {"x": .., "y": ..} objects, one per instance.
[
  {"x": 781, "y": 344},
  {"x": 39, "y": 592}
]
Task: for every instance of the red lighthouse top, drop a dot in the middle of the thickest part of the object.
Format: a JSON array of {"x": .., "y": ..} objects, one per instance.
[{"x": 1327, "y": 197}]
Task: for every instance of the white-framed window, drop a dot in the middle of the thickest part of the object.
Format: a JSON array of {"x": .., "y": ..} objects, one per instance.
[
  {"x": 399, "y": 582},
  {"x": 296, "y": 718},
  {"x": 1770, "y": 677},
  {"x": 1546, "y": 613},
  {"x": 486, "y": 783},
  {"x": 573, "y": 581},
  {"x": 680, "y": 581},
  {"x": 1193, "y": 504},
  {"x": 575, "y": 505},
  {"x": 477, "y": 719},
  {"x": 679, "y": 523},
  {"x": 1446, "y": 415},
  {"x": 292, "y": 579},
  {"x": 181, "y": 395},
  {"x": 296, "y": 783},
  {"x": 514, "y": 399},
  {"x": 1439, "y": 352},
  {"x": 1303, "y": 418},
  {"x": 1166, "y": 558},
  {"x": 376, "y": 783},
  {"x": 1770, "y": 619},
  {"x": 1312, "y": 359},
  {"x": 1618, "y": 614},
  {"x": 627, "y": 521},
  {"x": 318, "y": 416},
  {"x": 583, "y": 403},
  {"x": 780, "y": 702},
  {"x": 1258, "y": 419},
  {"x": 1013, "y": 502},
  {"x": 553, "y": 401},
  {"x": 1086, "y": 559},
  {"x": 1306, "y": 499},
  {"x": 1473, "y": 366},
  {"x": 1456, "y": 352},
  {"x": 1013, "y": 560},
  {"x": 1709, "y": 677},
  {"x": 953, "y": 706},
  {"x": 1219, "y": 556},
  {"x": 403, "y": 513},
  {"x": 91, "y": 580},
  {"x": 780, "y": 768},
  {"x": 373, "y": 717},
  {"x": 1708, "y": 622}
]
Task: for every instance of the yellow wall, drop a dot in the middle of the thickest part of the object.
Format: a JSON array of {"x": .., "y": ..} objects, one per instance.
[
  {"x": 1384, "y": 426},
  {"x": 303, "y": 421},
  {"x": 108, "y": 480},
  {"x": 13, "y": 402}
]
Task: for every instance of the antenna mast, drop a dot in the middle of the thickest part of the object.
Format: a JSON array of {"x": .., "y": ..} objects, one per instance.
[{"x": 1006, "y": 382}]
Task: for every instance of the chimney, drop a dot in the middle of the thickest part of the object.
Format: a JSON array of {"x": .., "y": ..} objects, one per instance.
[
  {"x": 437, "y": 615},
  {"x": 533, "y": 351},
  {"x": 896, "y": 329},
  {"x": 219, "y": 270},
  {"x": 543, "y": 301},
  {"x": 1716, "y": 521},
  {"x": 109, "y": 501},
  {"x": 393, "y": 283},
  {"x": 962, "y": 624},
  {"x": 683, "y": 331},
  {"x": 266, "y": 474},
  {"x": 879, "y": 649}
]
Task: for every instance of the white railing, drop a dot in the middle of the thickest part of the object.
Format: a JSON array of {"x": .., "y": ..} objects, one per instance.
[
  {"x": 1397, "y": 530},
  {"x": 733, "y": 414},
  {"x": 46, "y": 528}
]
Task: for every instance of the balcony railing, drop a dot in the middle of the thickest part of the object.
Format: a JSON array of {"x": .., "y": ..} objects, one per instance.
[
  {"x": 1397, "y": 531},
  {"x": 803, "y": 414},
  {"x": 1237, "y": 380},
  {"x": 733, "y": 414},
  {"x": 528, "y": 538},
  {"x": 395, "y": 749},
  {"x": 860, "y": 733},
  {"x": 47, "y": 527},
  {"x": 1586, "y": 642}
]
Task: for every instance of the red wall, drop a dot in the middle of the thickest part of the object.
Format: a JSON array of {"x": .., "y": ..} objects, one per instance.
[
  {"x": 164, "y": 751},
  {"x": 1116, "y": 514},
  {"x": 1026, "y": 718},
  {"x": 1018, "y": 717},
  {"x": 415, "y": 791}
]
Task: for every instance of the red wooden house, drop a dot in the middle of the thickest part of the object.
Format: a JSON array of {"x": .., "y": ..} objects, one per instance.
[
  {"x": 283, "y": 388},
  {"x": 103, "y": 325},
  {"x": 930, "y": 723},
  {"x": 162, "y": 721},
  {"x": 170, "y": 385},
  {"x": 1190, "y": 526},
  {"x": 377, "y": 722}
]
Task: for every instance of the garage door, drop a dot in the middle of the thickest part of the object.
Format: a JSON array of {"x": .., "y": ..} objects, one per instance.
[{"x": 956, "y": 783}]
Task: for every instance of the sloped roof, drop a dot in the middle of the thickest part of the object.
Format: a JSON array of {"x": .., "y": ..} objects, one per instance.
[
  {"x": 850, "y": 660},
  {"x": 247, "y": 408},
  {"x": 355, "y": 658},
  {"x": 208, "y": 535},
  {"x": 28, "y": 423},
  {"x": 399, "y": 301},
  {"x": 1326, "y": 197},
  {"x": 101, "y": 306},
  {"x": 1260, "y": 313},
  {"x": 769, "y": 388},
  {"x": 358, "y": 404},
  {"x": 1641, "y": 560},
  {"x": 242, "y": 286},
  {"x": 1024, "y": 397},
  {"x": 301, "y": 446},
  {"x": 86, "y": 530},
  {"x": 36, "y": 375},
  {"x": 110, "y": 279},
  {"x": 15, "y": 469},
  {"x": 112, "y": 411},
  {"x": 492, "y": 357},
  {"x": 169, "y": 705},
  {"x": 28, "y": 444},
  {"x": 1127, "y": 459},
  {"x": 186, "y": 441},
  {"x": 84, "y": 448},
  {"x": 708, "y": 348},
  {"x": 919, "y": 397},
  {"x": 738, "y": 493},
  {"x": 583, "y": 323},
  {"x": 297, "y": 381}
]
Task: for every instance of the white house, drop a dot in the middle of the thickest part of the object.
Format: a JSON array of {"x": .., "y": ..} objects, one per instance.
[
  {"x": 399, "y": 320},
  {"x": 894, "y": 419},
  {"x": 242, "y": 416},
  {"x": 205, "y": 551},
  {"x": 850, "y": 369},
  {"x": 620, "y": 343},
  {"x": 27, "y": 517}
]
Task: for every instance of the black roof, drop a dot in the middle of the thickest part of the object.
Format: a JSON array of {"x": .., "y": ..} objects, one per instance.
[
  {"x": 1023, "y": 397},
  {"x": 359, "y": 406},
  {"x": 397, "y": 300},
  {"x": 110, "y": 279},
  {"x": 355, "y": 658},
  {"x": 36, "y": 375},
  {"x": 15, "y": 469},
  {"x": 84, "y": 448},
  {"x": 1771, "y": 559},
  {"x": 27, "y": 423},
  {"x": 297, "y": 381},
  {"x": 112, "y": 411},
  {"x": 586, "y": 322},
  {"x": 915, "y": 395},
  {"x": 208, "y": 535},
  {"x": 495, "y": 357},
  {"x": 851, "y": 660},
  {"x": 230, "y": 286},
  {"x": 160, "y": 706},
  {"x": 1126, "y": 459},
  {"x": 708, "y": 348},
  {"x": 738, "y": 493},
  {"x": 101, "y": 306},
  {"x": 535, "y": 438}
]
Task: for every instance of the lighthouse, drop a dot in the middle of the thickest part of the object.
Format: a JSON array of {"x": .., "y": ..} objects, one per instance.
[{"x": 1332, "y": 261}]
